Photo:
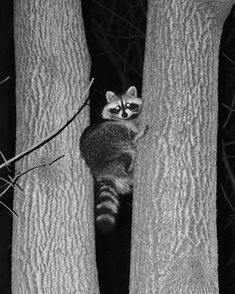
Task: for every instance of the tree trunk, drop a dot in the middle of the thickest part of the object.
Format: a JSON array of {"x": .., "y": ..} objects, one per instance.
[
  {"x": 174, "y": 242},
  {"x": 53, "y": 237}
]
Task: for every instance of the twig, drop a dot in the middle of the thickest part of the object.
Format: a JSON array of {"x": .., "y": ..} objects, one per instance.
[
  {"x": 230, "y": 112},
  {"x": 108, "y": 47},
  {"x": 229, "y": 144},
  {"x": 230, "y": 59},
  {"x": 228, "y": 168},
  {"x": 1, "y": 202},
  {"x": 51, "y": 136},
  {"x": 3, "y": 81},
  {"x": 17, "y": 185},
  {"x": 227, "y": 199},
  {"x": 6, "y": 182},
  {"x": 16, "y": 178},
  {"x": 226, "y": 106},
  {"x": 230, "y": 221},
  {"x": 4, "y": 159},
  {"x": 120, "y": 17},
  {"x": 11, "y": 210}
]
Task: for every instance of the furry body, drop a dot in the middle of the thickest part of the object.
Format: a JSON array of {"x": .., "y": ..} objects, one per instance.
[{"x": 109, "y": 149}]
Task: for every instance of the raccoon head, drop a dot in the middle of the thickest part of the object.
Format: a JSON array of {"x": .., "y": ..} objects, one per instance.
[{"x": 126, "y": 106}]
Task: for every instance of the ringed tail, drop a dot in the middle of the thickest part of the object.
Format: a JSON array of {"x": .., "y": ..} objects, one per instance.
[{"x": 106, "y": 205}]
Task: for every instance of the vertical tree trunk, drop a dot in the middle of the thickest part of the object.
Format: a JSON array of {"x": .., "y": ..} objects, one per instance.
[
  {"x": 53, "y": 238},
  {"x": 174, "y": 243}
]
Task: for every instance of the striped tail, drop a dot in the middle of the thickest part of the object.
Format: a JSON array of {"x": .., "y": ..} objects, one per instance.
[{"x": 106, "y": 205}]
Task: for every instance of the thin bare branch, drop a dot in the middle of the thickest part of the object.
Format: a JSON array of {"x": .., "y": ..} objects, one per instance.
[
  {"x": 229, "y": 143},
  {"x": 1, "y": 202},
  {"x": 4, "y": 159},
  {"x": 8, "y": 208},
  {"x": 230, "y": 111},
  {"x": 226, "y": 106},
  {"x": 230, "y": 59},
  {"x": 3, "y": 81},
  {"x": 35, "y": 167},
  {"x": 17, "y": 185},
  {"x": 51, "y": 136},
  {"x": 227, "y": 199},
  {"x": 16, "y": 178},
  {"x": 228, "y": 169},
  {"x": 7, "y": 182},
  {"x": 120, "y": 17},
  {"x": 107, "y": 46}
]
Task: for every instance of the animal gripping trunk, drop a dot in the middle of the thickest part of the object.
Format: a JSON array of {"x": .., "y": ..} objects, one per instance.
[{"x": 106, "y": 205}]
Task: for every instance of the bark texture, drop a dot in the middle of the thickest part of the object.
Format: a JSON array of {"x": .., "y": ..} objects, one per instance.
[
  {"x": 174, "y": 242},
  {"x": 53, "y": 238}
]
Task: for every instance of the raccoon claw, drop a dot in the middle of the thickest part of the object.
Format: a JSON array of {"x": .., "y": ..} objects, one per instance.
[
  {"x": 141, "y": 134},
  {"x": 128, "y": 170},
  {"x": 145, "y": 130}
]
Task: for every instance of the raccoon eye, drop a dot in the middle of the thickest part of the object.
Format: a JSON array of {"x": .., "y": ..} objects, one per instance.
[
  {"x": 132, "y": 106},
  {"x": 115, "y": 110}
]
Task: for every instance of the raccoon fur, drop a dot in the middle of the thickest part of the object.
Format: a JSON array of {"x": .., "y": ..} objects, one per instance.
[{"x": 109, "y": 149}]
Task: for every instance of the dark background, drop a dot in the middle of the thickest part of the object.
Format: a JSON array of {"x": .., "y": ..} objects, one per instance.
[{"x": 115, "y": 31}]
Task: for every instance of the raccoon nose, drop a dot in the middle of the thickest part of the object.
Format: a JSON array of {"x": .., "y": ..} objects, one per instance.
[{"x": 124, "y": 114}]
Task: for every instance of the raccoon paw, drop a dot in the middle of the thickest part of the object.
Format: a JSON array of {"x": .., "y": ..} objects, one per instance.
[
  {"x": 128, "y": 168},
  {"x": 129, "y": 164},
  {"x": 141, "y": 134}
]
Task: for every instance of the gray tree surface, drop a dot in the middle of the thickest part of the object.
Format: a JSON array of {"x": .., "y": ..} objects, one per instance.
[
  {"x": 174, "y": 242},
  {"x": 53, "y": 237}
]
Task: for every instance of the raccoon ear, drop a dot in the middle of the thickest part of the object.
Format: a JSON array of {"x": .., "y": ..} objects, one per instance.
[
  {"x": 132, "y": 91},
  {"x": 109, "y": 96}
]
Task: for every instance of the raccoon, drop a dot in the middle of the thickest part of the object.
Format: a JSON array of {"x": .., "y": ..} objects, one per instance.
[{"x": 109, "y": 149}]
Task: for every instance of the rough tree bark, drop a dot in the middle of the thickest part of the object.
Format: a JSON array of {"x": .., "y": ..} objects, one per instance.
[
  {"x": 174, "y": 243},
  {"x": 53, "y": 238}
]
